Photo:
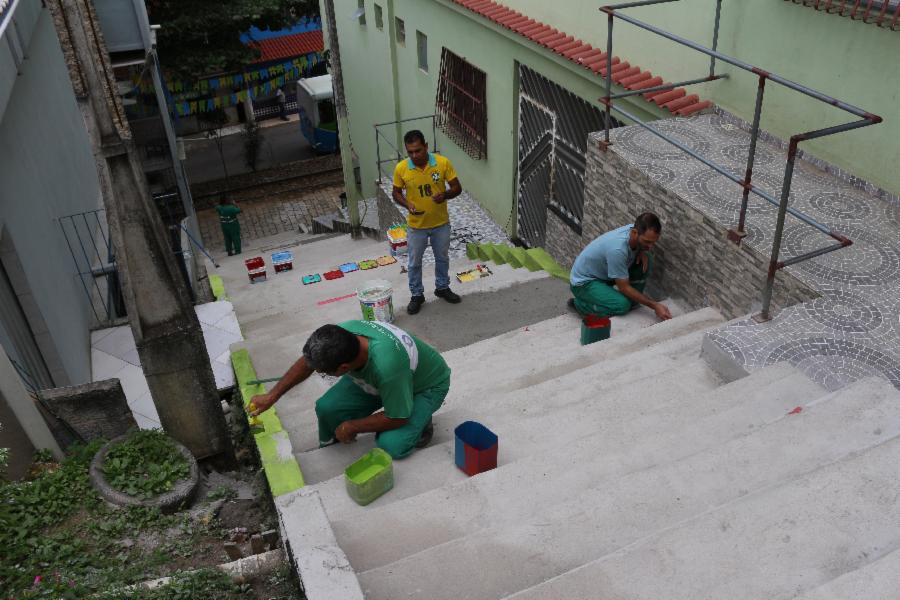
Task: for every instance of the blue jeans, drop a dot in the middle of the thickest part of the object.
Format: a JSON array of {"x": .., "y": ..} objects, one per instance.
[{"x": 418, "y": 240}]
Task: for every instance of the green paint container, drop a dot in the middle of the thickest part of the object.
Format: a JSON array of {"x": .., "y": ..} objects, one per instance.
[
  {"x": 594, "y": 329},
  {"x": 370, "y": 476}
]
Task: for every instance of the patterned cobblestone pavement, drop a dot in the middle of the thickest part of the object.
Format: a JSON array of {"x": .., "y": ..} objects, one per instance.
[
  {"x": 853, "y": 329},
  {"x": 285, "y": 209}
]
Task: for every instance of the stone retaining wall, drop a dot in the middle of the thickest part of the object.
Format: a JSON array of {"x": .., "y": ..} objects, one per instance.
[{"x": 694, "y": 260}]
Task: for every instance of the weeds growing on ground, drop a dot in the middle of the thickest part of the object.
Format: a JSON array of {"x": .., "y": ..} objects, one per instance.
[{"x": 146, "y": 464}]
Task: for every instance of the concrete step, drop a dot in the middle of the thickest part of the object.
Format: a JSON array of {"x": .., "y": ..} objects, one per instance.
[
  {"x": 550, "y": 349},
  {"x": 877, "y": 580},
  {"x": 575, "y": 390},
  {"x": 545, "y": 350},
  {"x": 498, "y": 560},
  {"x": 316, "y": 557},
  {"x": 773, "y": 543},
  {"x": 522, "y": 422},
  {"x": 330, "y": 301},
  {"x": 616, "y": 446}
]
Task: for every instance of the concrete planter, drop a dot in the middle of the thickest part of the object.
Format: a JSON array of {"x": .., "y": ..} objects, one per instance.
[{"x": 178, "y": 497}]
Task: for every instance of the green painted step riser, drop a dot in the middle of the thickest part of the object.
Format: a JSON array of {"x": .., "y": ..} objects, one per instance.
[{"x": 533, "y": 259}]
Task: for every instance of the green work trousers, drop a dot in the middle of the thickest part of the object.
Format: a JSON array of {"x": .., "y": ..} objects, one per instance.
[
  {"x": 232, "y": 233},
  {"x": 601, "y": 298},
  {"x": 346, "y": 401}
]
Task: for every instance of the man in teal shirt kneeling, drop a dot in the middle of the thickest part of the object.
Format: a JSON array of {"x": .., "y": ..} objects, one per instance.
[
  {"x": 380, "y": 367},
  {"x": 609, "y": 275}
]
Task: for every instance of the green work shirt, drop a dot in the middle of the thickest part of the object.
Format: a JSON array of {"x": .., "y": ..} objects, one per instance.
[
  {"x": 228, "y": 213},
  {"x": 387, "y": 373}
]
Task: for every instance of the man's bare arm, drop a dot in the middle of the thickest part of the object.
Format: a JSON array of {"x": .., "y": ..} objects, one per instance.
[
  {"x": 624, "y": 286},
  {"x": 399, "y": 198},
  {"x": 454, "y": 191},
  {"x": 298, "y": 373},
  {"x": 348, "y": 430}
]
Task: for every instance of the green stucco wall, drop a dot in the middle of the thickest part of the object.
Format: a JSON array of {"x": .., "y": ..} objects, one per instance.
[
  {"x": 366, "y": 61},
  {"x": 850, "y": 60}
]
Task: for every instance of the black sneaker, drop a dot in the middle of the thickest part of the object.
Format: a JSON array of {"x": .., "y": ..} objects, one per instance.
[
  {"x": 415, "y": 303},
  {"x": 427, "y": 434},
  {"x": 448, "y": 295}
]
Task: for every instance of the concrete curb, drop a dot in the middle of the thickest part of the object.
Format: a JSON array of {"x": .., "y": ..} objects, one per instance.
[
  {"x": 218, "y": 287},
  {"x": 275, "y": 450},
  {"x": 322, "y": 566},
  {"x": 722, "y": 363},
  {"x": 181, "y": 494}
]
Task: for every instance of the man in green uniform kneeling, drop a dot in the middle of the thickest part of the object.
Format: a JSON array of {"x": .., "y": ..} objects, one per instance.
[
  {"x": 231, "y": 227},
  {"x": 609, "y": 275},
  {"x": 380, "y": 367}
]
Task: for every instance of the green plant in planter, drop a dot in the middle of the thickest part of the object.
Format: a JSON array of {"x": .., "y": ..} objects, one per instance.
[{"x": 145, "y": 465}]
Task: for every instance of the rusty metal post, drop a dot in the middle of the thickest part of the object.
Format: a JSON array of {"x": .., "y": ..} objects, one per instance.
[
  {"x": 715, "y": 43},
  {"x": 737, "y": 236},
  {"x": 779, "y": 230},
  {"x": 378, "y": 155},
  {"x": 609, "y": 55},
  {"x": 434, "y": 134}
]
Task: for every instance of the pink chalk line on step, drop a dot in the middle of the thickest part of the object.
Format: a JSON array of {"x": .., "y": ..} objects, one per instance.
[{"x": 330, "y": 300}]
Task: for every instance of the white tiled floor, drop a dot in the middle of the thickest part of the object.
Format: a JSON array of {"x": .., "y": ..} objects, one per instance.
[{"x": 114, "y": 356}]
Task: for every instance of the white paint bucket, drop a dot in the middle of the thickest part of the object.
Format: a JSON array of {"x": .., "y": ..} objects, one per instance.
[{"x": 376, "y": 301}]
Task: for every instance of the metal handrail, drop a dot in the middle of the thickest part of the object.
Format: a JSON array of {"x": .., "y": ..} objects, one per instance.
[
  {"x": 399, "y": 156},
  {"x": 736, "y": 235},
  {"x": 7, "y": 10}
]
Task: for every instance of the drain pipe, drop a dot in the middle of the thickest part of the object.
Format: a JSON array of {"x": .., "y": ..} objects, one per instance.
[{"x": 340, "y": 106}]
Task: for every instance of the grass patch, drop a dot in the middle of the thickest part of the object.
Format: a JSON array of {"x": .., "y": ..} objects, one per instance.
[{"x": 60, "y": 540}]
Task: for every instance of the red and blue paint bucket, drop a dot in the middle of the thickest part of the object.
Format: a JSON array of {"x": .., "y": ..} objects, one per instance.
[{"x": 476, "y": 448}]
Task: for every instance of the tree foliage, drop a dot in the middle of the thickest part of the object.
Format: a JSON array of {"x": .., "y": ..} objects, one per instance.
[{"x": 202, "y": 37}]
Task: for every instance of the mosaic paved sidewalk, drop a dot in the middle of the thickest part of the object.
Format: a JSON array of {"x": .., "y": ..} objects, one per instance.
[{"x": 852, "y": 330}]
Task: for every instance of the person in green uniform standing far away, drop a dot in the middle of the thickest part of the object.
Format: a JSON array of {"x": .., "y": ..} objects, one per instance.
[
  {"x": 422, "y": 185},
  {"x": 390, "y": 384},
  {"x": 231, "y": 227},
  {"x": 609, "y": 275}
]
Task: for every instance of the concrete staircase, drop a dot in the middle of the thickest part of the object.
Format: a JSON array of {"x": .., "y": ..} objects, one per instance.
[
  {"x": 339, "y": 222},
  {"x": 627, "y": 469}
]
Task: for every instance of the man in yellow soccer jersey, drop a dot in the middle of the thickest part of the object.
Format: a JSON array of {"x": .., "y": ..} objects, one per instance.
[{"x": 421, "y": 187}]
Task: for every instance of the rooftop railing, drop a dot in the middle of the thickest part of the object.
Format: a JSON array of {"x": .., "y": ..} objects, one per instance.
[{"x": 746, "y": 182}]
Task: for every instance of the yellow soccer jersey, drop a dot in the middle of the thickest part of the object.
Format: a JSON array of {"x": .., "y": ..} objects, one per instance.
[{"x": 420, "y": 184}]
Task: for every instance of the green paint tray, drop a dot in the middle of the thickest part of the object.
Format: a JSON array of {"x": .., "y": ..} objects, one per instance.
[{"x": 370, "y": 476}]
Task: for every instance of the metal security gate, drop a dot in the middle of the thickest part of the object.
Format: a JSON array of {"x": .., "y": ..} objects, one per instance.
[{"x": 553, "y": 128}]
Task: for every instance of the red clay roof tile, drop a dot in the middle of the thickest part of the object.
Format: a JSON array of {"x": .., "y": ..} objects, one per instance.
[
  {"x": 692, "y": 108},
  {"x": 629, "y": 81},
  {"x": 674, "y": 105},
  {"x": 647, "y": 83},
  {"x": 289, "y": 46},
  {"x": 669, "y": 96},
  {"x": 585, "y": 55},
  {"x": 624, "y": 74}
]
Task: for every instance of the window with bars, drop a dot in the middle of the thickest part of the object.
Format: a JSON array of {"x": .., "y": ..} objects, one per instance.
[
  {"x": 460, "y": 108},
  {"x": 884, "y": 13}
]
